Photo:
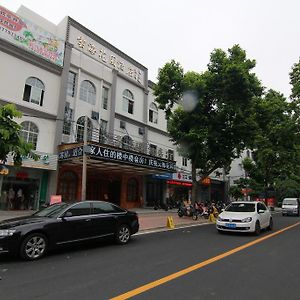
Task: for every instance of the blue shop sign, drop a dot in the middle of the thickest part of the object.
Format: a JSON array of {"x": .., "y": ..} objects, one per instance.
[{"x": 163, "y": 176}]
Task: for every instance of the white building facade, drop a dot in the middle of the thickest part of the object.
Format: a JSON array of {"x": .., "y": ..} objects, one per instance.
[
  {"x": 78, "y": 76},
  {"x": 31, "y": 60}
]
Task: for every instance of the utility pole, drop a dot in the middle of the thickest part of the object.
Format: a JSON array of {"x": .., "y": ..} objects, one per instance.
[{"x": 84, "y": 161}]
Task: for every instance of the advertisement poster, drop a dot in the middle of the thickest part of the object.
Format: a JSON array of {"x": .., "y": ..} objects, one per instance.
[{"x": 30, "y": 36}]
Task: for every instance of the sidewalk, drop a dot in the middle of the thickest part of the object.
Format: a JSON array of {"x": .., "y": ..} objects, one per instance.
[{"x": 149, "y": 218}]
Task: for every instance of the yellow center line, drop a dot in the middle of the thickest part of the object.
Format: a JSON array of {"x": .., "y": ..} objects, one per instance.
[{"x": 200, "y": 265}]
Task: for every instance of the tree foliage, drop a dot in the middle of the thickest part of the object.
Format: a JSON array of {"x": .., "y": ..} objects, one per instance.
[
  {"x": 10, "y": 141},
  {"x": 295, "y": 81},
  {"x": 210, "y": 114},
  {"x": 276, "y": 157}
]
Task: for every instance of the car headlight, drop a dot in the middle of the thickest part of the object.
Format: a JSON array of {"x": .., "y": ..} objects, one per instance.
[
  {"x": 7, "y": 232},
  {"x": 220, "y": 219},
  {"x": 247, "y": 220}
]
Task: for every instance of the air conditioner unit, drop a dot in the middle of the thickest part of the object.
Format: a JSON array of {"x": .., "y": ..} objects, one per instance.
[
  {"x": 122, "y": 124},
  {"x": 141, "y": 130},
  {"x": 95, "y": 115}
]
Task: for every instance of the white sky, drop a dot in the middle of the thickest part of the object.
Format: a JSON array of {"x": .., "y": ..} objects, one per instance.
[{"x": 156, "y": 31}]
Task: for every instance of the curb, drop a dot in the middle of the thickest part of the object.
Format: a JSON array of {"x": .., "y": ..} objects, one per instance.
[{"x": 165, "y": 229}]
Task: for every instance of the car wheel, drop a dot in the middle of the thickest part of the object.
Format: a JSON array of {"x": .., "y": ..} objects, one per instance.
[
  {"x": 257, "y": 228},
  {"x": 270, "y": 227},
  {"x": 34, "y": 246},
  {"x": 123, "y": 234}
]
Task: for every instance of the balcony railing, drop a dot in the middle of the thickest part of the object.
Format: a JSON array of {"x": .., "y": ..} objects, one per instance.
[{"x": 125, "y": 142}]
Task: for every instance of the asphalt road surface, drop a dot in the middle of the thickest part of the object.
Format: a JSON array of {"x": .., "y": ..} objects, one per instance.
[{"x": 190, "y": 263}]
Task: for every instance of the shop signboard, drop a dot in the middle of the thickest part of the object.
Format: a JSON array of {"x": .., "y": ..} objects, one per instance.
[
  {"x": 54, "y": 199},
  {"x": 29, "y": 36},
  {"x": 162, "y": 176},
  {"x": 105, "y": 55},
  {"x": 118, "y": 155},
  {"x": 182, "y": 176},
  {"x": 46, "y": 161}
]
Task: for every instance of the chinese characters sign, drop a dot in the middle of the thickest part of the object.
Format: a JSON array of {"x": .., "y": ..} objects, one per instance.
[
  {"x": 106, "y": 153},
  {"x": 104, "y": 55},
  {"x": 33, "y": 38}
]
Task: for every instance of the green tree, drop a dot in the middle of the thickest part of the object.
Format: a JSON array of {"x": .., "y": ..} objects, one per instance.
[
  {"x": 210, "y": 114},
  {"x": 10, "y": 140},
  {"x": 295, "y": 81},
  {"x": 277, "y": 146}
]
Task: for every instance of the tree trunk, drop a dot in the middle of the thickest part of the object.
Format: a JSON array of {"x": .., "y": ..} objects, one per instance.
[{"x": 195, "y": 184}]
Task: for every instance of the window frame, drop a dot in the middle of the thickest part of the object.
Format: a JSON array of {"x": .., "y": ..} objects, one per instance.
[
  {"x": 78, "y": 204},
  {"x": 81, "y": 128},
  {"x": 36, "y": 86},
  {"x": 87, "y": 93},
  {"x": 71, "y": 85},
  {"x": 31, "y": 136},
  {"x": 171, "y": 154},
  {"x": 153, "y": 113},
  {"x": 105, "y": 99},
  {"x": 184, "y": 161},
  {"x": 128, "y": 101}
]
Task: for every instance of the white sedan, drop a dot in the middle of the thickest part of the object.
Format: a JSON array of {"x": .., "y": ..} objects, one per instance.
[{"x": 245, "y": 216}]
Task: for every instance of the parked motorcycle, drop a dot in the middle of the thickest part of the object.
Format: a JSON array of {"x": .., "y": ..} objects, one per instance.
[{"x": 188, "y": 211}]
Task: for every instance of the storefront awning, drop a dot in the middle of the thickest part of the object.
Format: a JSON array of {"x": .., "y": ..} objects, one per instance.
[{"x": 112, "y": 159}]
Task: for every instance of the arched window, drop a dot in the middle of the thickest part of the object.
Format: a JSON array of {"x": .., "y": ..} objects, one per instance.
[
  {"x": 34, "y": 91},
  {"x": 153, "y": 113},
  {"x": 127, "y": 142},
  {"x": 29, "y": 133},
  {"x": 80, "y": 129},
  {"x": 132, "y": 190},
  {"x": 87, "y": 92},
  {"x": 128, "y": 101},
  {"x": 67, "y": 186}
]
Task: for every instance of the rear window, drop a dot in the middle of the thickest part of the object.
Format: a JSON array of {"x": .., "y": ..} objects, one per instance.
[
  {"x": 241, "y": 207},
  {"x": 289, "y": 201}
]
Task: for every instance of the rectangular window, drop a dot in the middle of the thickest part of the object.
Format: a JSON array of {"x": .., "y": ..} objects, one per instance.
[
  {"x": 170, "y": 154},
  {"x": 153, "y": 116},
  {"x": 184, "y": 162},
  {"x": 103, "y": 126},
  {"x": 105, "y": 97},
  {"x": 153, "y": 149},
  {"x": 67, "y": 119},
  {"x": 130, "y": 107},
  {"x": 71, "y": 84}
]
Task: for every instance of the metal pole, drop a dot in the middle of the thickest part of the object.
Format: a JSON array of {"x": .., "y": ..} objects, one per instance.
[{"x": 84, "y": 161}]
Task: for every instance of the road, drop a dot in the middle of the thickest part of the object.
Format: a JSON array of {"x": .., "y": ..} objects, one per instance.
[{"x": 268, "y": 269}]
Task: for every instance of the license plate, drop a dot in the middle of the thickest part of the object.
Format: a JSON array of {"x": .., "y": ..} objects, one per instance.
[{"x": 230, "y": 225}]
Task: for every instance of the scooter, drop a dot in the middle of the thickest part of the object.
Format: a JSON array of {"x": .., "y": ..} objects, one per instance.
[{"x": 187, "y": 211}]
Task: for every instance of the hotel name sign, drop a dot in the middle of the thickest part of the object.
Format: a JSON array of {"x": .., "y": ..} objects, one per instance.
[
  {"x": 116, "y": 155},
  {"x": 104, "y": 55}
]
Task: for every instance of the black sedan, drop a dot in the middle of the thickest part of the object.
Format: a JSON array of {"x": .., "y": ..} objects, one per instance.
[{"x": 64, "y": 223}]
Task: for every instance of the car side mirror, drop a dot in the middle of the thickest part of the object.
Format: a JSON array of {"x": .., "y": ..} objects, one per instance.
[
  {"x": 68, "y": 214},
  {"x": 261, "y": 211},
  {"x": 223, "y": 209}
]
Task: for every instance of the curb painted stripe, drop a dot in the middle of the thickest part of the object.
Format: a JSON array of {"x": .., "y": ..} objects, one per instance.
[{"x": 190, "y": 269}]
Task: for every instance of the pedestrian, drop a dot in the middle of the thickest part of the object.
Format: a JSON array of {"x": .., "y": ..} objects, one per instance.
[{"x": 11, "y": 198}]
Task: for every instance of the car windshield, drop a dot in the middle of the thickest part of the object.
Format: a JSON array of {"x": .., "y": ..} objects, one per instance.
[
  {"x": 52, "y": 211},
  {"x": 290, "y": 202},
  {"x": 241, "y": 207}
]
